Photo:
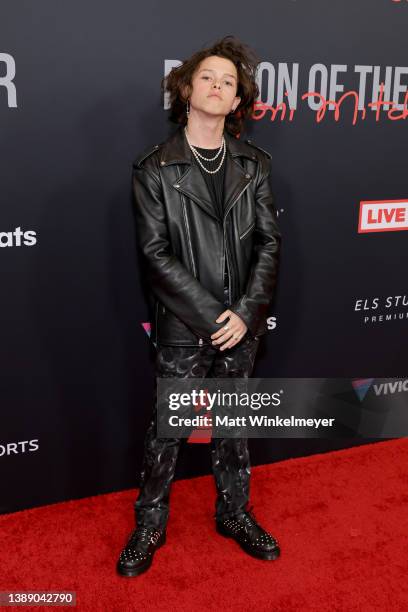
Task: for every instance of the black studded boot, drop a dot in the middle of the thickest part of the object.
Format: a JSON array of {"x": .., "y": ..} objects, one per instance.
[
  {"x": 137, "y": 556},
  {"x": 245, "y": 530}
]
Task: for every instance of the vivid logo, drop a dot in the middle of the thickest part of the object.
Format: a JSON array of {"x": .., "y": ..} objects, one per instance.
[
  {"x": 383, "y": 216},
  {"x": 362, "y": 385}
]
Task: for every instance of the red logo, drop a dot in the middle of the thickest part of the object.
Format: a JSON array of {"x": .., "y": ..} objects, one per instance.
[{"x": 383, "y": 216}]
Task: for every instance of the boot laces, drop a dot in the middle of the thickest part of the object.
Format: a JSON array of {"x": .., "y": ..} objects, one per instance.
[
  {"x": 249, "y": 517},
  {"x": 141, "y": 535}
]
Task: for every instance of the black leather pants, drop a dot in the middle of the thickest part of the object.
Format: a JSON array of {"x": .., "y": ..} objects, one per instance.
[{"x": 230, "y": 456}]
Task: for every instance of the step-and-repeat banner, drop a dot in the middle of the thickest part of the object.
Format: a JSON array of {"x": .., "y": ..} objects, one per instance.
[{"x": 79, "y": 99}]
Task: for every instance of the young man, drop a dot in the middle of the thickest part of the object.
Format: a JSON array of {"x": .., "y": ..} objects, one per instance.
[{"x": 207, "y": 229}]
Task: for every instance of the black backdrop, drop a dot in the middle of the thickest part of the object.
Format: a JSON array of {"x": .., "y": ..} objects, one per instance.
[{"x": 76, "y": 360}]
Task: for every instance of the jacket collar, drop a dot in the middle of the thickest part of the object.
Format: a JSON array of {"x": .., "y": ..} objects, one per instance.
[{"x": 191, "y": 182}]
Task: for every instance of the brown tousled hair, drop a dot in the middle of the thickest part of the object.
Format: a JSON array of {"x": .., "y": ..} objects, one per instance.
[{"x": 245, "y": 61}]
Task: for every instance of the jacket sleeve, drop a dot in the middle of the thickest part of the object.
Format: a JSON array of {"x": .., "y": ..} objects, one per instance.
[
  {"x": 253, "y": 305},
  {"x": 170, "y": 280}
]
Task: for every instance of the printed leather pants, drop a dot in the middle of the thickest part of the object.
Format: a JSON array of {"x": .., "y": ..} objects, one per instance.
[{"x": 229, "y": 456}]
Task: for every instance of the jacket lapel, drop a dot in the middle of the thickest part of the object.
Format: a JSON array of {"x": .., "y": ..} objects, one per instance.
[{"x": 192, "y": 183}]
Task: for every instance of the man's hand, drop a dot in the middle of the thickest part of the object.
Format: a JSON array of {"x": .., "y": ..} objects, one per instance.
[{"x": 231, "y": 333}]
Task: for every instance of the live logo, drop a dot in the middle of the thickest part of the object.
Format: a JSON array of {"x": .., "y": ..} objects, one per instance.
[{"x": 383, "y": 216}]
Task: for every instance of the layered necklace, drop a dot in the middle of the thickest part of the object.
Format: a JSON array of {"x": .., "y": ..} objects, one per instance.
[{"x": 198, "y": 155}]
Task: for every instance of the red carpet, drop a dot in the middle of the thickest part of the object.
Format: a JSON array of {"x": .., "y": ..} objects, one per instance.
[{"x": 341, "y": 519}]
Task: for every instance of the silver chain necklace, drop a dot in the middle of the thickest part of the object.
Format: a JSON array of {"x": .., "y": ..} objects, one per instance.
[{"x": 197, "y": 155}]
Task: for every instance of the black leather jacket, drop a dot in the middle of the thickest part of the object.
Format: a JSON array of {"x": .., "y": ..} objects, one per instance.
[{"x": 185, "y": 244}]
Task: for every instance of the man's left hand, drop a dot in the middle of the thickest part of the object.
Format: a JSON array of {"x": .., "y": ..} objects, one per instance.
[{"x": 231, "y": 333}]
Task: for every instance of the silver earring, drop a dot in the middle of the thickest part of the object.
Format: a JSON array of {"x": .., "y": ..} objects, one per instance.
[{"x": 188, "y": 108}]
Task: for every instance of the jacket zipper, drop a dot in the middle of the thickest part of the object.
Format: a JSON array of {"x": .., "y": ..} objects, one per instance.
[
  {"x": 183, "y": 203},
  {"x": 189, "y": 238},
  {"x": 200, "y": 340},
  {"x": 194, "y": 270},
  {"x": 225, "y": 241},
  {"x": 228, "y": 266},
  {"x": 247, "y": 231}
]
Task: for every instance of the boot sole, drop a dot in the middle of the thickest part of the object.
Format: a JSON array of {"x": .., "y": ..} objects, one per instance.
[
  {"x": 258, "y": 554},
  {"x": 129, "y": 572}
]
